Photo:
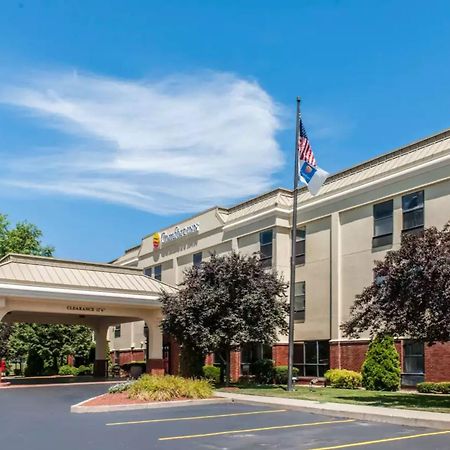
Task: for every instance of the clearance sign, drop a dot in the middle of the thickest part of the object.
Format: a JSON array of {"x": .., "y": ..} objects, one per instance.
[{"x": 177, "y": 233}]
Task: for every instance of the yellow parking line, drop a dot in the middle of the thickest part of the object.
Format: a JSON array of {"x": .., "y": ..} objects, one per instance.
[
  {"x": 382, "y": 441},
  {"x": 251, "y": 430},
  {"x": 174, "y": 419}
]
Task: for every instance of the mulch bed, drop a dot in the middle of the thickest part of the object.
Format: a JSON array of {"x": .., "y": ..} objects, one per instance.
[{"x": 120, "y": 398}]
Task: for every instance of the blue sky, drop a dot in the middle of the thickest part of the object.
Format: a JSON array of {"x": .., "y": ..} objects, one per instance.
[{"x": 119, "y": 118}]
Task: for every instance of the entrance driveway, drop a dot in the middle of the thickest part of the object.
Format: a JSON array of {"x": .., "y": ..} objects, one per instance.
[{"x": 38, "y": 418}]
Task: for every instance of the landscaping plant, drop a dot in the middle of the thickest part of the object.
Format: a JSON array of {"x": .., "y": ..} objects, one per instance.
[
  {"x": 212, "y": 373},
  {"x": 281, "y": 374},
  {"x": 434, "y": 388},
  {"x": 343, "y": 378},
  {"x": 169, "y": 387},
  {"x": 381, "y": 368},
  {"x": 264, "y": 371}
]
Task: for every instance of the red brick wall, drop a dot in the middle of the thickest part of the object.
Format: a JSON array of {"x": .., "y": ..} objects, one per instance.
[
  {"x": 128, "y": 356},
  {"x": 280, "y": 354},
  {"x": 235, "y": 364},
  {"x": 437, "y": 362},
  {"x": 209, "y": 360},
  {"x": 353, "y": 354}
]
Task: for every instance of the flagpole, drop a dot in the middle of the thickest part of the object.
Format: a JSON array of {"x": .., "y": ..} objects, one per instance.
[{"x": 290, "y": 386}]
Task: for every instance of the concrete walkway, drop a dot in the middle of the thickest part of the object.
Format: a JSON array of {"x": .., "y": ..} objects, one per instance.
[{"x": 395, "y": 416}]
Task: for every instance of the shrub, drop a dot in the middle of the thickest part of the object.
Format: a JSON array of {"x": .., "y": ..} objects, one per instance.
[
  {"x": 121, "y": 387},
  {"x": 344, "y": 379},
  {"x": 434, "y": 388},
  {"x": 381, "y": 368},
  {"x": 281, "y": 374},
  {"x": 212, "y": 373},
  {"x": 68, "y": 370},
  {"x": 35, "y": 364},
  {"x": 85, "y": 370},
  {"x": 169, "y": 387},
  {"x": 264, "y": 371}
]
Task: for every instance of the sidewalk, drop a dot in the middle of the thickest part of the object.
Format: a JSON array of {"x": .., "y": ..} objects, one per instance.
[{"x": 412, "y": 418}]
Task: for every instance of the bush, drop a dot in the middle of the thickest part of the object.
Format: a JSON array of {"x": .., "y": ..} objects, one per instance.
[
  {"x": 169, "y": 387},
  {"x": 264, "y": 371},
  {"x": 381, "y": 368},
  {"x": 212, "y": 373},
  {"x": 86, "y": 370},
  {"x": 434, "y": 388},
  {"x": 121, "y": 387},
  {"x": 344, "y": 379},
  {"x": 35, "y": 364},
  {"x": 68, "y": 370},
  {"x": 281, "y": 374}
]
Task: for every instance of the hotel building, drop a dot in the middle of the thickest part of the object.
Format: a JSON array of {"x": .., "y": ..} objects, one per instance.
[{"x": 359, "y": 214}]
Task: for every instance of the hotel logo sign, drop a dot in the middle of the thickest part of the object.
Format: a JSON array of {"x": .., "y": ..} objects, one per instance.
[{"x": 177, "y": 233}]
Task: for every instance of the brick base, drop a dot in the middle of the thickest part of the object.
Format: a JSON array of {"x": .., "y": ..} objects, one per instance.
[
  {"x": 437, "y": 362},
  {"x": 280, "y": 354},
  {"x": 155, "y": 366}
]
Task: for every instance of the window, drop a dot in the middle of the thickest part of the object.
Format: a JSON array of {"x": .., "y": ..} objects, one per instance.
[
  {"x": 413, "y": 363},
  {"x": 252, "y": 352},
  {"x": 197, "y": 259},
  {"x": 157, "y": 272},
  {"x": 312, "y": 358},
  {"x": 413, "y": 217},
  {"x": 265, "y": 242},
  {"x": 382, "y": 223},
  {"x": 300, "y": 241},
  {"x": 148, "y": 271},
  {"x": 117, "y": 331},
  {"x": 299, "y": 301}
]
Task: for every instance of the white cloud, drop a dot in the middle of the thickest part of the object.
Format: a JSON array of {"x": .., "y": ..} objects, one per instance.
[{"x": 179, "y": 144}]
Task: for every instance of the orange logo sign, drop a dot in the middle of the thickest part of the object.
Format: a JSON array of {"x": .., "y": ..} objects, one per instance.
[{"x": 156, "y": 240}]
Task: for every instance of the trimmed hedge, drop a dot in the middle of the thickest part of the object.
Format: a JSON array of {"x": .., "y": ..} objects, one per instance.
[
  {"x": 281, "y": 374},
  {"x": 212, "y": 373},
  {"x": 343, "y": 378},
  {"x": 434, "y": 388},
  {"x": 263, "y": 371}
]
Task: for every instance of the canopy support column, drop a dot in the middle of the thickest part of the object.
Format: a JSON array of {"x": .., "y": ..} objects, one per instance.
[
  {"x": 155, "y": 362},
  {"x": 101, "y": 348}
]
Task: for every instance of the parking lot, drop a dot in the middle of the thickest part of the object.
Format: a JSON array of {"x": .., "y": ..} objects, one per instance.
[{"x": 39, "y": 418}]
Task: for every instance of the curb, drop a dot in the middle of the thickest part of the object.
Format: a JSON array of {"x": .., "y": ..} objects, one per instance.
[
  {"x": 395, "y": 416},
  {"x": 79, "y": 408}
]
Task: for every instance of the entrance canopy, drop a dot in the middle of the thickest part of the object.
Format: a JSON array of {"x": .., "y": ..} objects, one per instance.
[{"x": 36, "y": 289}]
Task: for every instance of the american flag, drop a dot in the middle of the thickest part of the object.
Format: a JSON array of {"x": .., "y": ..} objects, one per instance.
[{"x": 305, "y": 152}]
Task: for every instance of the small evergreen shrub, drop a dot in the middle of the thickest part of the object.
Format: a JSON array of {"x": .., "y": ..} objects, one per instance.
[
  {"x": 281, "y": 374},
  {"x": 264, "y": 371},
  {"x": 35, "y": 364},
  {"x": 212, "y": 373},
  {"x": 169, "y": 387},
  {"x": 381, "y": 368},
  {"x": 434, "y": 388},
  {"x": 343, "y": 379},
  {"x": 68, "y": 370}
]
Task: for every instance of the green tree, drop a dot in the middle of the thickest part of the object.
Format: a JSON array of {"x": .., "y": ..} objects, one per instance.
[
  {"x": 410, "y": 293},
  {"x": 50, "y": 343},
  {"x": 381, "y": 368},
  {"x": 224, "y": 303}
]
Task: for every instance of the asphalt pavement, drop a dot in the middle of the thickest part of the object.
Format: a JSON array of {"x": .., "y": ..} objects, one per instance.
[{"x": 39, "y": 419}]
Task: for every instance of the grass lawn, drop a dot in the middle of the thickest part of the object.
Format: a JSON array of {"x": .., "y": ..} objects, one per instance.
[{"x": 405, "y": 400}]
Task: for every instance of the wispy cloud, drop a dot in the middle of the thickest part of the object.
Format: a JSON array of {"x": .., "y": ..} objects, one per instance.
[{"x": 174, "y": 145}]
